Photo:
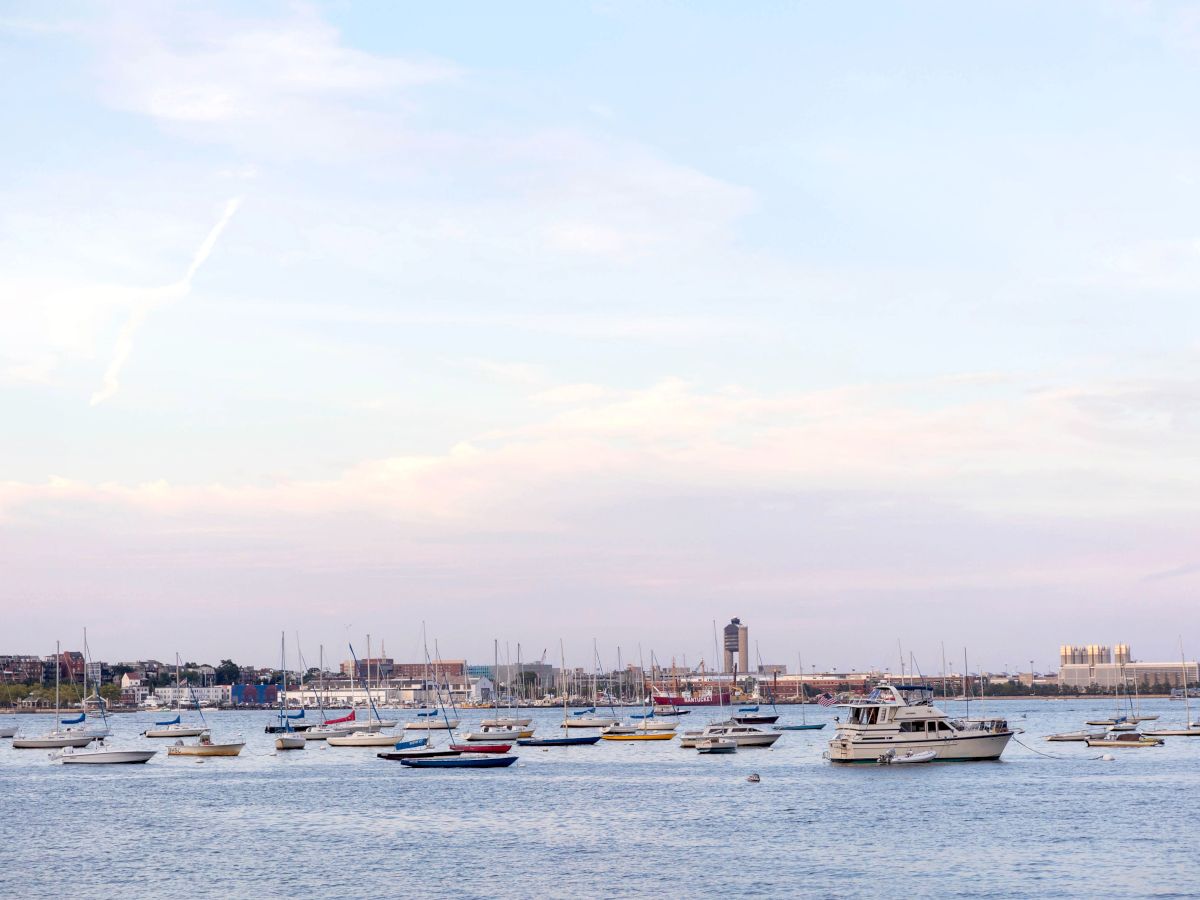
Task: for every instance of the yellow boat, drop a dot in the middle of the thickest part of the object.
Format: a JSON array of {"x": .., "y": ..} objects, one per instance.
[
  {"x": 205, "y": 747},
  {"x": 641, "y": 736}
]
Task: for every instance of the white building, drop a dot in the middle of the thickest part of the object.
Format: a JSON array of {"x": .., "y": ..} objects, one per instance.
[{"x": 217, "y": 693}]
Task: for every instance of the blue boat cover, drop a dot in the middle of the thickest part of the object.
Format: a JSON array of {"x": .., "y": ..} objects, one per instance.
[
  {"x": 422, "y": 715},
  {"x": 295, "y": 715},
  {"x": 584, "y": 712},
  {"x": 747, "y": 709},
  {"x": 648, "y": 715},
  {"x": 75, "y": 721},
  {"x": 411, "y": 745},
  {"x": 174, "y": 721}
]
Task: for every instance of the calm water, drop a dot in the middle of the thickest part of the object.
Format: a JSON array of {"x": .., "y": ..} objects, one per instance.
[{"x": 616, "y": 819}]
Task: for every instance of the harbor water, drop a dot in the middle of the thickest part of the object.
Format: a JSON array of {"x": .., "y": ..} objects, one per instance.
[{"x": 618, "y": 819}]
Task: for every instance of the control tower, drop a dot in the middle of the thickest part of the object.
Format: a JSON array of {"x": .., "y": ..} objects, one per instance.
[{"x": 737, "y": 640}]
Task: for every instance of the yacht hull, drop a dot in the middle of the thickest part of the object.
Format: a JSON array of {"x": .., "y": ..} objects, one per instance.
[
  {"x": 51, "y": 743},
  {"x": 962, "y": 748}
]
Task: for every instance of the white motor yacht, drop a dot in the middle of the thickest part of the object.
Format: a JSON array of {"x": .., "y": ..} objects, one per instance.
[
  {"x": 902, "y": 717},
  {"x": 742, "y": 735}
]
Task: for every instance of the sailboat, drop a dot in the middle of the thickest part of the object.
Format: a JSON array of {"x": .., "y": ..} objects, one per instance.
[
  {"x": 587, "y": 718},
  {"x": 1188, "y": 728},
  {"x": 174, "y": 728},
  {"x": 430, "y": 719},
  {"x": 803, "y": 726},
  {"x": 370, "y": 737},
  {"x": 507, "y": 721},
  {"x": 566, "y": 740},
  {"x": 645, "y": 728},
  {"x": 328, "y": 727},
  {"x": 288, "y": 738},
  {"x": 59, "y": 737},
  {"x": 750, "y": 715}
]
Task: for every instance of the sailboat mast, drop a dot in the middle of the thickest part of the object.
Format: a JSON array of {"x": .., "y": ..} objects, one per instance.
[{"x": 57, "y": 664}]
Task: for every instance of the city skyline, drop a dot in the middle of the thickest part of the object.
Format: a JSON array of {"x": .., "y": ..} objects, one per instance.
[{"x": 542, "y": 323}]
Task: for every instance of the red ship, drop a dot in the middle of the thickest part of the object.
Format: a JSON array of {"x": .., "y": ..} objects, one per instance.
[{"x": 707, "y": 698}]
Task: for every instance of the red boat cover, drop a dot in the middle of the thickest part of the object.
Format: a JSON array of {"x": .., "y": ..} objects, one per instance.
[{"x": 349, "y": 718}]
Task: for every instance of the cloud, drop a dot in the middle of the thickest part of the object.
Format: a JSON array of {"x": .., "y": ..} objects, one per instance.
[{"x": 152, "y": 298}]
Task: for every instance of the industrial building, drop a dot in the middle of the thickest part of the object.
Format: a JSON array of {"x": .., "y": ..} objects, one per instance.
[{"x": 1096, "y": 665}]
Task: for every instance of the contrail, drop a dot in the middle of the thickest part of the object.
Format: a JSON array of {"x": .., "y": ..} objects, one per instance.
[{"x": 124, "y": 345}]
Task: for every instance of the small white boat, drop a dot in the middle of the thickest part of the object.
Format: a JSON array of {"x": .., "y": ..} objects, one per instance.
[
  {"x": 294, "y": 741},
  {"x": 588, "y": 721},
  {"x": 488, "y": 733},
  {"x": 506, "y": 722},
  {"x": 1080, "y": 736},
  {"x": 1125, "y": 739},
  {"x": 205, "y": 747},
  {"x": 892, "y": 758},
  {"x": 639, "y": 728},
  {"x": 717, "y": 745},
  {"x": 325, "y": 732},
  {"x": 363, "y": 739},
  {"x": 53, "y": 740},
  {"x": 102, "y": 755},
  {"x": 742, "y": 735},
  {"x": 7, "y": 731},
  {"x": 432, "y": 725}
]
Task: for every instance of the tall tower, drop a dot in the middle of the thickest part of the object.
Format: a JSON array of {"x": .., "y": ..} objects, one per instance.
[{"x": 737, "y": 640}]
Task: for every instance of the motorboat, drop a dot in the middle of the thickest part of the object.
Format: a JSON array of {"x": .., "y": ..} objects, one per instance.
[
  {"x": 363, "y": 739},
  {"x": 1125, "y": 739},
  {"x": 742, "y": 735},
  {"x": 7, "y": 731},
  {"x": 205, "y": 747},
  {"x": 717, "y": 745},
  {"x": 891, "y": 758},
  {"x": 102, "y": 754},
  {"x": 902, "y": 717},
  {"x": 806, "y": 726},
  {"x": 290, "y": 741},
  {"x": 506, "y": 722}
]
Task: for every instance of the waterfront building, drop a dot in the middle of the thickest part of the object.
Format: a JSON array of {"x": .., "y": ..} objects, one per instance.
[
  {"x": 23, "y": 669},
  {"x": 220, "y": 694}
]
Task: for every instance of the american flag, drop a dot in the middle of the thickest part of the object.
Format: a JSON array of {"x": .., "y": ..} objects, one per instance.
[{"x": 826, "y": 699}]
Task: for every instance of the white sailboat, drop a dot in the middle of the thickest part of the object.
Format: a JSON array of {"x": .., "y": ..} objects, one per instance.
[
  {"x": 175, "y": 728},
  {"x": 1188, "y": 728},
  {"x": 286, "y": 737},
  {"x": 59, "y": 737}
]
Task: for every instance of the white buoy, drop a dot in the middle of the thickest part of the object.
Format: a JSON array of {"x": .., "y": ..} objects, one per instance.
[{"x": 1108, "y": 757}]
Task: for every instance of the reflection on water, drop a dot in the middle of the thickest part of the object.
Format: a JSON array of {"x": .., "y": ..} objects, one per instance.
[{"x": 616, "y": 819}]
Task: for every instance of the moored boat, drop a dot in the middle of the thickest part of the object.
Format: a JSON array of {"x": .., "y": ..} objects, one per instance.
[
  {"x": 717, "y": 745},
  {"x": 102, "y": 754},
  {"x": 292, "y": 741},
  {"x": 639, "y": 736},
  {"x": 363, "y": 739},
  {"x": 1125, "y": 739},
  {"x": 206, "y": 747},
  {"x": 419, "y": 753},
  {"x": 902, "y": 717},
  {"x": 560, "y": 741},
  {"x": 459, "y": 762},
  {"x": 742, "y": 735},
  {"x": 908, "y": 757}
]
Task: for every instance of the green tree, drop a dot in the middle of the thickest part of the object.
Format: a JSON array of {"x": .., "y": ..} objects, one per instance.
[{"x": 228, "y": 672}]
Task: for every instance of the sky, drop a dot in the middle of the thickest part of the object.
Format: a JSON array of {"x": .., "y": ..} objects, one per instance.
[{"x": 875, "y": 325}]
